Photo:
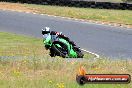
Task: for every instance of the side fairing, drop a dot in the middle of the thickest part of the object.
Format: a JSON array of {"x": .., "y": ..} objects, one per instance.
[
  {"x": 47, "y": 39},
  {"x": 72, "y": 53}
]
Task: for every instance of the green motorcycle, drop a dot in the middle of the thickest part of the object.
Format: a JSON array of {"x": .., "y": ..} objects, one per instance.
[{"x": 60, "y": 46}]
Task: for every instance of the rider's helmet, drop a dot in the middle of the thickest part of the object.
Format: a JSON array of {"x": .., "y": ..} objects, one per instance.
[{"x": 46, "y": 30}]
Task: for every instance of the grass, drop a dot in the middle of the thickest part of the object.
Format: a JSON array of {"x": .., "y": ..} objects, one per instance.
[
  {"x": 103, "y": 15},
  {"x": 106, "y": 16},
  {"x": 29, "y": 66},
  {"x": 111, "y": 0},
  {"x": 12, "y": 44}
]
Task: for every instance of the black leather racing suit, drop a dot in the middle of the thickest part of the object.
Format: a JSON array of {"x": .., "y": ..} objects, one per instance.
[{"x": 62, "y": 36}]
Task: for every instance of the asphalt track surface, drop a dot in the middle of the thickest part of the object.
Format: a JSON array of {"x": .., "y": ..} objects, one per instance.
[{"x": 105, "y": 40}]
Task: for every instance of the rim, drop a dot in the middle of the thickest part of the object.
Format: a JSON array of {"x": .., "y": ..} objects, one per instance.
[{"x": 62, "y": 48}]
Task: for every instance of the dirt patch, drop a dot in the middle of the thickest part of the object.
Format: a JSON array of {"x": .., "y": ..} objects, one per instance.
[{"x": 14, "y": 6}]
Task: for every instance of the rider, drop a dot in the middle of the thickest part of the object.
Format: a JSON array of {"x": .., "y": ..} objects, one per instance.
[{"x": 46, "y": 32}]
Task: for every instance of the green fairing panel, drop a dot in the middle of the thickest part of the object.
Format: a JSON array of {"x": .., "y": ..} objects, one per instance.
[
  {"x": 64, "y": 41},
  {"x": 72, "y": 53},
  {"x": 47, "y": 41}
]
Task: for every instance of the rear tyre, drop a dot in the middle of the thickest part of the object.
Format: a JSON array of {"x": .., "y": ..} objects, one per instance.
[{"x": 79, "y": 52}]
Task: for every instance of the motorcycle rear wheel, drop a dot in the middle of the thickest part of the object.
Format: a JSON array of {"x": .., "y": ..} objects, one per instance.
[{"x": 79, "y": 52}]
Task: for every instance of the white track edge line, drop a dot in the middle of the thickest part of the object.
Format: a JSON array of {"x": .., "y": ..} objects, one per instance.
[
  {"x": 97, "y": 56},
  {"x": 81, "y": 20}
]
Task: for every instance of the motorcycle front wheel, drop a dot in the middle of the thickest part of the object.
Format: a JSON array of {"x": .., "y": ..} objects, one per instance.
[{"x": 60, "y": 49}]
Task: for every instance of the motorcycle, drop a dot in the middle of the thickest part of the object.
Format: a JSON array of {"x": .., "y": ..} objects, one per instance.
[{"x": 60, "y": 46}]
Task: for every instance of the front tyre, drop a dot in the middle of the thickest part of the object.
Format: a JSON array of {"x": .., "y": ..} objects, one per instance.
[
  {"x": 52, "y": 53},
  {"x": 60, "y": 49}
]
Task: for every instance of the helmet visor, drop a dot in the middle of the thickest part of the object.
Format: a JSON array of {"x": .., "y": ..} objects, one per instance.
[{"x": 45, "y": 32}]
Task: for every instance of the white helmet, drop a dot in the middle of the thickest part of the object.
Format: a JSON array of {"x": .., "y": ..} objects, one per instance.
[{"x": 46, "y": 30}]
